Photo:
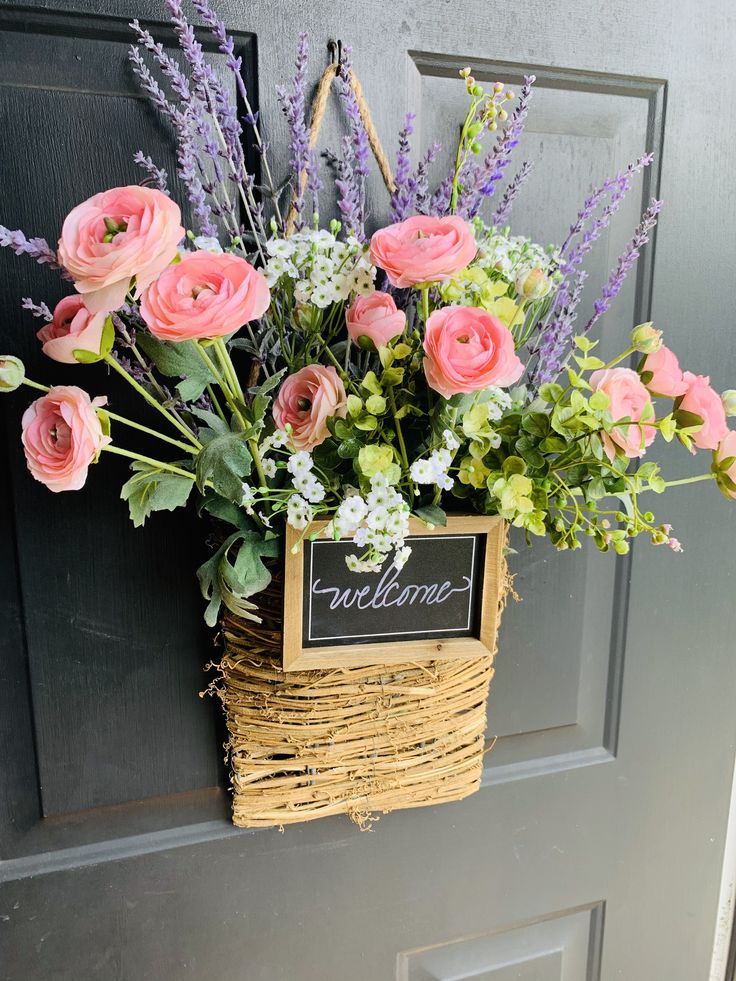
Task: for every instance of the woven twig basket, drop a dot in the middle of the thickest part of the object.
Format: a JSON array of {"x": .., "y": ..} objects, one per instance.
[{"x": 356, "y": 741}]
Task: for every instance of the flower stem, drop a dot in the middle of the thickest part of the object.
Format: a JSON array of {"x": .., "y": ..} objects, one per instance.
[
  {"x": 32, "y": 384},
  {"x": 169, "y": 467},
  {"x": 621, "y": 357},
  {"x": 151, "y": 432},
  {"x": 152, "y": 402},
  {"x": 228, "y": 368},
  {"x": 425, "y": 304},
  {"x": 402, "y": 444},
  {"x": 224, "y": 388},
  {"x": 689, "y": 480}
]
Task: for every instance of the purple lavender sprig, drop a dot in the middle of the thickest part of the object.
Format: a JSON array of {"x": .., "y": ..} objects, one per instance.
[
  {"x": 348, "y": 202},
  {"x": 36, "y": 248},
  {"x": 502, "y": 212},
  {"x": 401, "y": 199},
  {"x": 234, "y": 63},
  {"x": 356, "y": 149},
  {"x": 156, "y": 175},
  {"x": 554, "y": 341},
  {"x": 39, "y": 310},
  {"x": 294, "y": 106},
  {"x": 626, "y": 262},
  {"x": 615, "y": 189}
]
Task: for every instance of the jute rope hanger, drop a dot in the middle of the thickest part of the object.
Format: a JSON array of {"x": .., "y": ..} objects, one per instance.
[{"x": 335, "y": 69}]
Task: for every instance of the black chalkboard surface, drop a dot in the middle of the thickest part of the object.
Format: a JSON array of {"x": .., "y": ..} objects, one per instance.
[
  {"x": 436, "y": 593},
  {"x": 442, "y": 604}
]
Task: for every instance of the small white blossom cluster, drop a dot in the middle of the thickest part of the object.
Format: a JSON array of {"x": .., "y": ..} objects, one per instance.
[
  {"x": 379, "y": 523},
  {"x": 303, "y": 479},
  {"x": 513, "y": 254},
  {"x": 309, "y": 490},
  {"x": 324, "y": 270},
  {"x": 277, "y": 440},
  {"x": 498, "y": 401},
  {"x": 433, "y": 469}
]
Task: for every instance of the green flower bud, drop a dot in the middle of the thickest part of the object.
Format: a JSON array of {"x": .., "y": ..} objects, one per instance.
[
  {"x": 12, "y": 373},
  {"x": 646, "y": 339},
  {"x": 729, "y": 401},
  {"x": 533, "y": 284}
]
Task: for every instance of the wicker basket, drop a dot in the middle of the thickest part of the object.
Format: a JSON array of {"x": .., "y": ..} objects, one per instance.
[{"x": 356, "y": 741}]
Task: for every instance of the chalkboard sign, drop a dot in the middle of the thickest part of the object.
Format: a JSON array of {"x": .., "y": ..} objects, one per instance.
[{"x": 442, "y": 604}]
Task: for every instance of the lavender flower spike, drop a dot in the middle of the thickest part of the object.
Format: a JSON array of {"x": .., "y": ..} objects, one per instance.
[
  {"x": 501, "y": 215},
  {"x": 156, "y": 175},
  {"x": 626, "y": 261},
  {"x": 39, "y": 310},
  {"x": 37, "y": 248},
  {"x": 401, "y": 199},
  {"x": 293, "y": 105}
]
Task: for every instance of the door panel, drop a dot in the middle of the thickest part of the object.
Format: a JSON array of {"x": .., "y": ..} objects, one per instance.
[{"x": 594, "y": 847}]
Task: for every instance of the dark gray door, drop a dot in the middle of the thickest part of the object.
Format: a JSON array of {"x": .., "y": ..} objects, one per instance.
[{"x": 594, "y": 848}]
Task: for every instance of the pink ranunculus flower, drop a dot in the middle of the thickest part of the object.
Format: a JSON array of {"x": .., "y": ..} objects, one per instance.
[
  {"x": 306, "y": 400},
  {"x": 375, "y": 316},
  {"x": 205, "y": 295},
  {"x": 726, "y": 449},
  {"x": 467, "y": 349},
  {"x": 667, "y": 378},
  {"x": 628, "y": 399},
  {"x": 73, "y": 328},
  {"x": 423, "y": 249},
  {"x": 701, "y": 399},
  {"x": 62, "y": 436},
  {"x": 114, "y": 236}
]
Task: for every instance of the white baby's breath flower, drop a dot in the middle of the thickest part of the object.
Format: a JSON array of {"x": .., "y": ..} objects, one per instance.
[
  {"x": 323, "y": 296},
  {"x": 248, "y": 498},
  {"x": 361, "y": 537},
  {"x": 207, "y": 243},
  {"x": 352, "y": 510},
  {"x": 299, "y": 463},
  {"x": 422, "y": 472},
  {"x": 269, "y": 468},
  {"x": 378, "y": 498},
  {"x": 281, "y": 247},
  {"x": 377, "y": 518},
  {"x": 316, "y": 493},
  {"x": 401, "y": 556},
  {"x": 450, "y": 440},
  {"x": 278, "y": 438},
  {"x": 298, "y": 512},
  {"x": 441, "y": 459}
]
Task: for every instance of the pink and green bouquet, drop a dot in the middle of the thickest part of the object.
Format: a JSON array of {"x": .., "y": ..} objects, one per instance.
[{"x": 303, "y": 369}]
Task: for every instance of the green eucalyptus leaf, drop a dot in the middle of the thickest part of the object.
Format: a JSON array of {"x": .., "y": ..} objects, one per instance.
[
  {"x": 178, "y": 360},
  {"x": 152, "y": 489},
  {"x": 224, "y": 462}
]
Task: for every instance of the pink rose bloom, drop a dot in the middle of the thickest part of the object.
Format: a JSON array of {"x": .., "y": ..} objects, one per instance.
[
  {"x": 727, "y": 448},
  {"x": 204, "y": 295},
  {"x": 62, "y": 437},
  {"x": 139, "y": 238},
  {"x": 701, "y": 399},
  {"x": 423, "y": 249},
  {"x": 667, "y": 376},
  {"x": 628, "y": 399},
  {"x": 375, "y": 316},
  {"x": 306, "y": 400},
  {"x": 73, "y": 328},
  {"x": 468, "y": 349}
]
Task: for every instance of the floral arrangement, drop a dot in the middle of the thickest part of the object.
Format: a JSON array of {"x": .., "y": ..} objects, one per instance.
[{"x": 436, "y": 365}]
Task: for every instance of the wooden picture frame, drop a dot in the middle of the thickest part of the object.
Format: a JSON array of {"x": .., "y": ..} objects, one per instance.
[{"x": 299, "y": 655}]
